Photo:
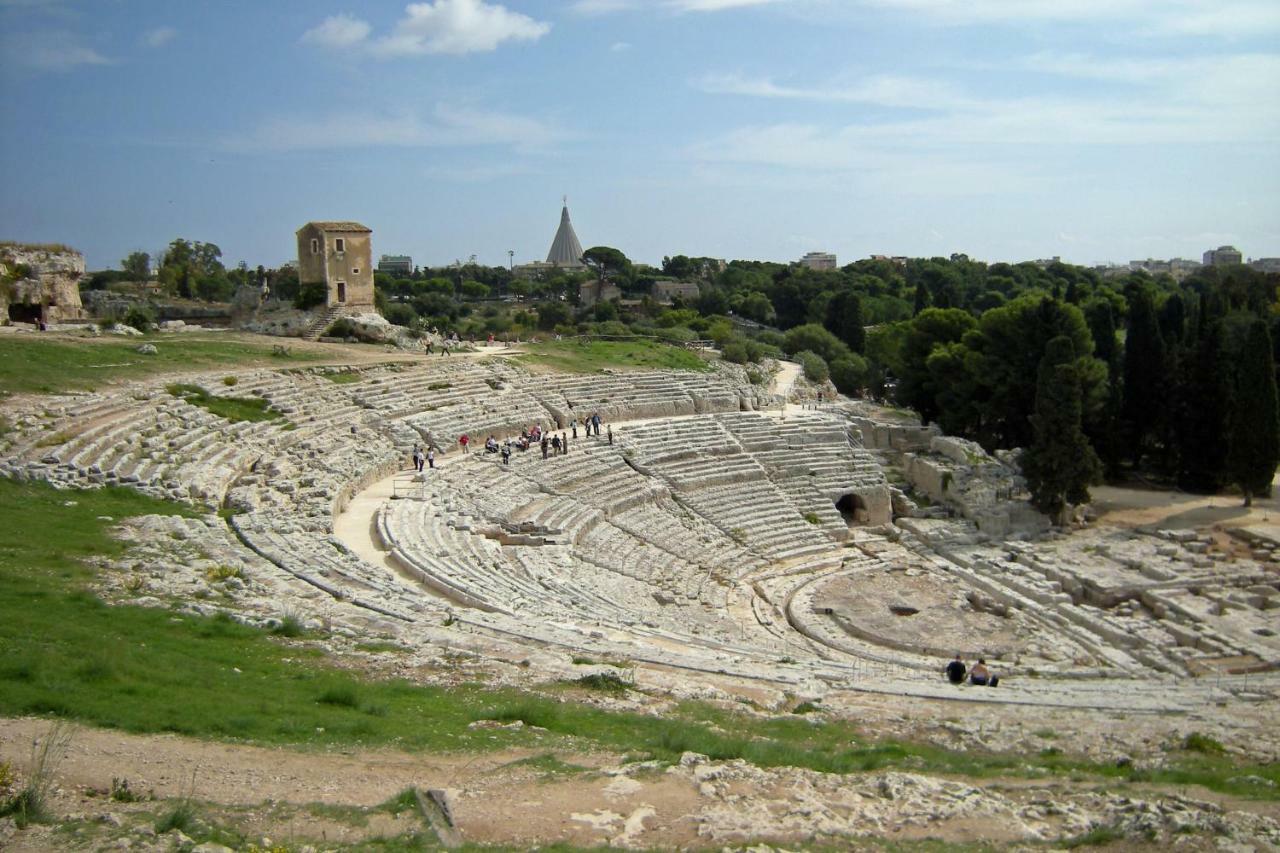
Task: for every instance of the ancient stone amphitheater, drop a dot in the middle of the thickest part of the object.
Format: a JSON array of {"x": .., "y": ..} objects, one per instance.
[{"x": 720, "y": 535}]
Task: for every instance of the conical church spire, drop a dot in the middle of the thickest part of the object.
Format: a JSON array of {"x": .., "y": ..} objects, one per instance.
[{"x": 566, "y": 251}]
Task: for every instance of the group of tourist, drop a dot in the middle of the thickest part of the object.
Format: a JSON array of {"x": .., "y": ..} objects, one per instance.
[
  {"x": 979, "y": 674},
  {"x": 423, "y": 458},
  {"x": 536, "y": 436}
]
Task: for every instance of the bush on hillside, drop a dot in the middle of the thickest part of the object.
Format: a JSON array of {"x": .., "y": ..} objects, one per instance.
[
  {"x": 850, "y": 374},
  {"x": 815, "y": 366},
  {"x": 310, "y": 295}
]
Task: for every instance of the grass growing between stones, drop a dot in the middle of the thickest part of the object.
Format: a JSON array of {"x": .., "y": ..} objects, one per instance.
[
  {"x": 579, "y": 357},
  {"x": 53, "y": 365},
  {"x": 66, "y": 654},
  {"x": 233, "y": 409}
]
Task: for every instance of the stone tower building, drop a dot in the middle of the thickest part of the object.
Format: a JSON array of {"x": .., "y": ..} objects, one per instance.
[{"x": 340, "y": 254}]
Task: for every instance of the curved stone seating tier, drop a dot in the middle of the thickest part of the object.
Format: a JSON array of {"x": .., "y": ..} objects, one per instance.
[
  {"x": 678, "y": 439},
  {"x": 684, "y": 543}
]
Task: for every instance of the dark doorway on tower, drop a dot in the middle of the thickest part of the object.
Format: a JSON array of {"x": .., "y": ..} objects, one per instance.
[{"x": 852, "y": 509}]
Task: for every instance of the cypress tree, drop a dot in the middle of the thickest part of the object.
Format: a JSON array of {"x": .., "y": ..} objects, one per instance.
[
  {"x": 1204, "y": 405},
  {"x": 1060, "y": 464},
  {"x": 922, "y": 298},
  {"x": 844, "y": 320},
  {"x": 1145, "y": 385},
  {"x": 1255, "y": 420},
  {"x": 1105, "y": 428}
]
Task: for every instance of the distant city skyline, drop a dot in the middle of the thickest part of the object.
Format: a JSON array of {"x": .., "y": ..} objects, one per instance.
[{"x": 1009, "y": 130}]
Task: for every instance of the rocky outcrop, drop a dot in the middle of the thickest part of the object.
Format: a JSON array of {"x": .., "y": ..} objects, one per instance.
[{"x": 42, "y": 283}]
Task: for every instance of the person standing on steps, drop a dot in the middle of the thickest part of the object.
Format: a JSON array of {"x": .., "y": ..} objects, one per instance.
[
  {"x": 610, "y": 429},
  {"x": 555, "y": 444},
  {"x": 464, "y": 440},
  {"x": 564, "y": 442},
  {"x": 573, "y": 425},
  {"x": 431, "y": 457},
  {"x": 545, "y": 444},
  {"x": 506, "y": 453}
]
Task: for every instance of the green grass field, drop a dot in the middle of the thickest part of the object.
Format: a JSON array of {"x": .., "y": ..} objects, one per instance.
[
  {"x": 578, "y": 357},
  {"x": 50, "y": 365},
  {"x": 66, "y": 654}
]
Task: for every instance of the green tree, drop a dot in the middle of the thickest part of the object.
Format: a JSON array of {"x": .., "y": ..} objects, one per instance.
[
  {"x": 845, "y": 320},
  {"x": 1060, "y": 464},
  {"x": 606, "y": 262},
  {"x": 815, "y": 338},
  {"x": 931, "y": 328},
  {"x": 1145, "y": 380},
  {"x": 850, "y": 374},
  {"x": 137, "y": 266},
  {"x": 1204, "y": 406},
  {"x": 815, "y": 366},
  {"x": 552, "y": 314},
  {"x": 1255, "y": 421},
  {"x": 1011, "y": 342}
]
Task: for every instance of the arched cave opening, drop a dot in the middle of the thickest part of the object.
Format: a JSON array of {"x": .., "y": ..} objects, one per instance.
[{"x": 852, "y": 509}]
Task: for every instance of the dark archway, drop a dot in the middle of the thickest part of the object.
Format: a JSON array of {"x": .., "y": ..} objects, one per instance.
[
  {"x": 24, "y": 312},
  {"x": 852, "y": 508}
]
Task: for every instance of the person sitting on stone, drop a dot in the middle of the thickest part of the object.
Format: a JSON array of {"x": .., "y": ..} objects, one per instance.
[
  {"x": 955, "y": 671},
  {"x": 491, "y": 445},
  {"x": 980, "y": 675}
]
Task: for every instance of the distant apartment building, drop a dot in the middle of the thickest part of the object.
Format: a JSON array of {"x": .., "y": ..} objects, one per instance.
[
  {"x": 1265, "y": 264},
  {"x": 1223, "y": 256},
  {"x": 1179, "y": 268},
  {"x": 395, "y": 264},
  {"x": 896, "y": 260},
  {"x": 819, "y": 261},
  {"x": 666, "y": 290},
  {"x": 340, "y": 254}
]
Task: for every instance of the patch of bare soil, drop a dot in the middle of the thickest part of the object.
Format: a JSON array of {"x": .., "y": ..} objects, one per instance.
[{"x": 283, "y": 796}]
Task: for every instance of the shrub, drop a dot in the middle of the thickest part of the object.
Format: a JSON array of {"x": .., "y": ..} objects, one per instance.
[
  {"x": 341, "y": 328},
  {"x": 342, "y": 695},
  {"x": 850, "y": 374},
  {"x": 814, "y": 338},
  {"x": 606, "y": 681},
  {"x": 140, "y": 317},
  {"x": 122, "y": 793},
  {"x": 310, "y": 295},
  {"x": 400, "y": 315},
  {"x": 815, "y": 366},
  {"x": 735, "y": 352},
  {"x": 229, "y": 381},
  {"x": 1197, "y": 742}
]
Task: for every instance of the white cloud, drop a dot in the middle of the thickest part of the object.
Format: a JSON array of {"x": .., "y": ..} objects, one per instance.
[
  {"x": 438, "y": 27},
  {"x": 338, "y": 31},
  {"x": 620, "y": 46},
  {"x": 879, "y": 89},
  {"x": 159, "y": 36},
  {"x": 605, "y": 7},
  {"x": 1226, "y": 18},
  {"x": 602, "y": 7},
  {"x": 54, "y": 50},
  {"x": 716, "y": 5},
  {"x": 447, "y": 126}
]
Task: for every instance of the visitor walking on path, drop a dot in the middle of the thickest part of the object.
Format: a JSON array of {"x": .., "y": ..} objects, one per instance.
[
  {"x": 555, "y": 443},
  {"x": 545, "y": 445},
  {"x": 431, "y": 458},
  {"x": 464, "y": 440},
  {"x": 573, "y": 425},
  {"x": 417, "y": 458},
  {"x": 610, "y": 430},
  {"x": 564, "y": 442}
]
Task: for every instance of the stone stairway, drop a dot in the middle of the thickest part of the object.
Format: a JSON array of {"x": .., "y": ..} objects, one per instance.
[{"x": 324, "y": 321}]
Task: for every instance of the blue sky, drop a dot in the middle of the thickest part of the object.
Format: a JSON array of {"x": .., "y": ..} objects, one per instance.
[{"x": 1098, "y": 130}]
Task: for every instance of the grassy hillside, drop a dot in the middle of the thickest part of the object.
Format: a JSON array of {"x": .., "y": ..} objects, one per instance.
[
  {"x": 50, "y": 365},
  {"x": 580, "y": 357}
]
